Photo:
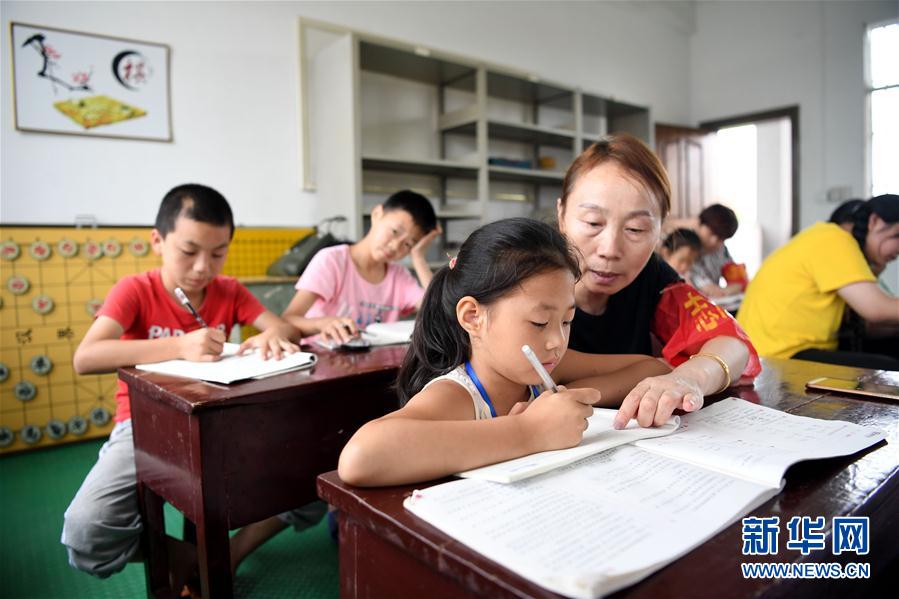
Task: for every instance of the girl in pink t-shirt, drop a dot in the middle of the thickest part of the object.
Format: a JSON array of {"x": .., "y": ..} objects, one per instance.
[{"x": 347, "y": 287}]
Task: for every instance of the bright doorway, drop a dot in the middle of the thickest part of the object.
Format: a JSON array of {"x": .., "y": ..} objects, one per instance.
[
  {"x": 750, "y": 171},
  {"x": 749, "y": 163}
]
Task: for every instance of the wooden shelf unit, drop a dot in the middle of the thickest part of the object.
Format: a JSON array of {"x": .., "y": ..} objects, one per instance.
[{"x": 448, "y": 126}]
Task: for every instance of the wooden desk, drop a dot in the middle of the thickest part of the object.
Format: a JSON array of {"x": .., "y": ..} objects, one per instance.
[
  {"x": 229, "y": 456},
  {"x": 387, "y": 552}
]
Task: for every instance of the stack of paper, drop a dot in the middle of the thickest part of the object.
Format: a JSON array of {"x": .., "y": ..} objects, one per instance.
[{"x": 231, "y": 367}]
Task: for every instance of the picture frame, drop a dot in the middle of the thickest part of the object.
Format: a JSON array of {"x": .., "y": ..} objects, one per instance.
[{"x": 75, "y": 83}]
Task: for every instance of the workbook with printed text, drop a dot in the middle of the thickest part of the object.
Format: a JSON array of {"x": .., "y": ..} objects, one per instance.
[{"x": 592, "y": 527}]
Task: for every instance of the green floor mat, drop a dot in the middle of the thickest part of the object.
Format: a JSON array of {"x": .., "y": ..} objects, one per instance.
[{"x": 35, "y": 489}]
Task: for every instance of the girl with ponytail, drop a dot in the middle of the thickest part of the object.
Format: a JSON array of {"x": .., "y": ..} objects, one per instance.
[{"x": 470, "y": 397}]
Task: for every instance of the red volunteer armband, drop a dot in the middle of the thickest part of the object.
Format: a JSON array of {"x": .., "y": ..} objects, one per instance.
[{"x": 685, "y": 319}]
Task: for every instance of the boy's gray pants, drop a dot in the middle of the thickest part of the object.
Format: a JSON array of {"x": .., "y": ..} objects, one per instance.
[{"x": 101, "y": 528}]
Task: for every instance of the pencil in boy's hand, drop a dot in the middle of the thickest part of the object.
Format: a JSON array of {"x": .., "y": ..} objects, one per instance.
[
  {"x": 182, "y": 297},
  {"x": 548, "y": 383}
]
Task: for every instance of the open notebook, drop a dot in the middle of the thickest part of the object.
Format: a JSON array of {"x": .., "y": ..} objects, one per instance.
[
  {"x": 231, "y": 367},
  {"x": 607, "y": 521},
  {"x": 599, "y": 436}
]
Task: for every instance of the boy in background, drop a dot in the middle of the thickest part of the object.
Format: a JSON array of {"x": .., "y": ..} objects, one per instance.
[
  {"x": 140, "y": 321},
  {"x": 347, "y": 287},
  {"x": 680, "y": 249},
  {"x": 717, "y": 224}
]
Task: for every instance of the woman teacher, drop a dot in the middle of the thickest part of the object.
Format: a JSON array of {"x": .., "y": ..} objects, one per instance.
[{"x": 615, "y": 196}]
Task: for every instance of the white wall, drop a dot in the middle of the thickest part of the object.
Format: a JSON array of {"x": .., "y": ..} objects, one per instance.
[
  {"x": 753, "y": 56},
  {"x": 234, "y": 91},
  {"x": 774, "y": 178}
]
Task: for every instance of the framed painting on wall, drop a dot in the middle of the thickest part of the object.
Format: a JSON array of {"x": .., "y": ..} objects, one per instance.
[{"x": 84, "y": 84}]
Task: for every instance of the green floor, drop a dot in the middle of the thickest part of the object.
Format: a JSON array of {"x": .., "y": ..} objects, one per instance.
[{"x": 35, "y": 489}]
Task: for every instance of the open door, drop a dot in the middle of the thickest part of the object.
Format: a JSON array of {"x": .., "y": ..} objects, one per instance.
[
  {"x": 748, "y": 163},
  {"x": 778, "y": 133},
  {"x": 684, "y": 153}
]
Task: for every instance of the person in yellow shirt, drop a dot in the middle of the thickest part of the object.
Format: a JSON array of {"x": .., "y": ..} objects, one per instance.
[{"x": 794, "y": 305}]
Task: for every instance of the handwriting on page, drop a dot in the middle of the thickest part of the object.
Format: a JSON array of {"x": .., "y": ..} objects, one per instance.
[
  {"x": 755, "y": 442},
  {"x": 606, "y": 521},
  {"x": 601, "y": 515},
  {"x": 768, "y": 424}
]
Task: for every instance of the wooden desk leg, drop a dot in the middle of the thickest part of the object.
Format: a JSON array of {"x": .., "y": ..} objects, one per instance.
[
  {"x": 214, "y": 554},
  {"x": 189, "y": 532},
  {"x": 156, "y": 559},
  {"x": 347, "y": 532}
]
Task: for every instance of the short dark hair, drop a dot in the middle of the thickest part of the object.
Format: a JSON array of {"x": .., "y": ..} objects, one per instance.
[
  {"x": 196, "y": 202},
  {"x": 720, "y": 219},
  {"x": 494, "y": 261},
  {"x": 418, "y": 207},
  {"x": 682, "y": 238}
]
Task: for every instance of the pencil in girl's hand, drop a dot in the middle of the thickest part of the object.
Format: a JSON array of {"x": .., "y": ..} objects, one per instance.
[{"x": 548, "y": 383}]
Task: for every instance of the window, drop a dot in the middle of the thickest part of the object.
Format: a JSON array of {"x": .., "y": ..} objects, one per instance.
[{"x": 882, "y": 80}]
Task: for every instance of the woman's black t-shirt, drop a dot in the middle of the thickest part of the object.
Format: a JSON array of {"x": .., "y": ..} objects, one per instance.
[{"x": 624, "y": 328}]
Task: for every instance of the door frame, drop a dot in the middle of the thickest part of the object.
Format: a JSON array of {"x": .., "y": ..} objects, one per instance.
[
  {"x": 688, "y": 135},
  {"x": 790, "y": 112}
]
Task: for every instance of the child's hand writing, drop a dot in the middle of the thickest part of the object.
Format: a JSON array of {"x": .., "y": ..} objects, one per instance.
[
  {"x": 558, "y": 420},
  {"x": 653, "y": 400},
  {"x": 270, "y": 343},
  {"x": 202, "y": 345},
  {"x": 338, "y": 329}
]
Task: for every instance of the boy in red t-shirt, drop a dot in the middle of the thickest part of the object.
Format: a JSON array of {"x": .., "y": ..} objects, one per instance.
[{"x": 142, "y": 321}]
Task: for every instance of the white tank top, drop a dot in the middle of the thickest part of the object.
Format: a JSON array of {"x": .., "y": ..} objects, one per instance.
[{"x": 460, "y": 377}]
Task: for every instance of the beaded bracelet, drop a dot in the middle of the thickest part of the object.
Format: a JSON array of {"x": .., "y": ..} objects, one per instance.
[{"x": 722, "y": 363}]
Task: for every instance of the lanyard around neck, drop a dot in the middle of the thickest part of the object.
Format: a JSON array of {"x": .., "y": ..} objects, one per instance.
[{"x": 477, "y": 383}]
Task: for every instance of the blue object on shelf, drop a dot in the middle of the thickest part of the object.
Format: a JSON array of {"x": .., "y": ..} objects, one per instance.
[{"x": 509, "y": 162}]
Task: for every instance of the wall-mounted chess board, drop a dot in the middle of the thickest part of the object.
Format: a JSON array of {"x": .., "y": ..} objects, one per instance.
[{"x": 52, "y": 282}]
